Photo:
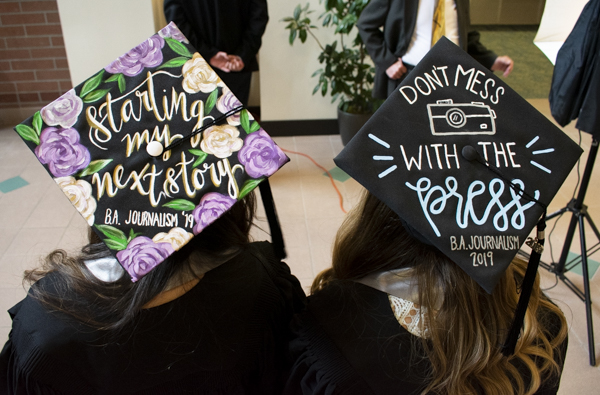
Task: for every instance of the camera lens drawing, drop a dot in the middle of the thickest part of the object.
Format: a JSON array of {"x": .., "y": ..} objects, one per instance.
[{"x": 456, "y": 117}]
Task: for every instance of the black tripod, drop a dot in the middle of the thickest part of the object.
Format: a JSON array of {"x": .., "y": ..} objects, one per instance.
[{"x": 580, "y": 214}]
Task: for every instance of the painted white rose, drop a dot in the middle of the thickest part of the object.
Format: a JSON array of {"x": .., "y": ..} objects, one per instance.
[
  {"x": 178, "y": 237},
  {"x": 63, "y": 111},
  {"x": 198, "y": 76},
  {"x": 221, "y": 141},
  {"x": 79, "y": 193}
]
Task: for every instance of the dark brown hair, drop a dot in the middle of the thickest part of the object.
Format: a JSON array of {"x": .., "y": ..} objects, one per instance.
[
  {"x": 113, "y": 305},
  {"x": 464, "y": 334}
]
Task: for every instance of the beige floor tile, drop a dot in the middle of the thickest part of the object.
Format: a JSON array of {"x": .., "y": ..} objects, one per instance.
[
  {"x": 27, "y": 197},
  {"x": 7, "y": 235},
  {"x": 13, "y": 216},
  {"x": 35, "y": 242}
]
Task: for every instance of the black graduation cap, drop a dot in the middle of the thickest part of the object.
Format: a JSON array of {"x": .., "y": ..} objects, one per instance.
[
  {"x": 152, "y": 149},
  {"x": 466, "y": 162}
]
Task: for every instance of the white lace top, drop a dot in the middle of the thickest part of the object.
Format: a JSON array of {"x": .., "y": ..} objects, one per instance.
[{"x": 408, "y": 315}]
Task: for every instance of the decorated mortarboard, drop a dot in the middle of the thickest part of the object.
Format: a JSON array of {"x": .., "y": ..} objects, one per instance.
[
  {"x": 152, "y": 149},
  {"x": 467, "y": 164}
]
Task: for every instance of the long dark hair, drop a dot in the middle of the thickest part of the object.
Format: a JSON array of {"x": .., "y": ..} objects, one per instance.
[
  {"x": 113, "y": 305},
  {"x": 464, "y": 334}
]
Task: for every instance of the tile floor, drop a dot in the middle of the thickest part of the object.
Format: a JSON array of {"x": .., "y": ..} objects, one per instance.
[{"x": 35, "y": 218}]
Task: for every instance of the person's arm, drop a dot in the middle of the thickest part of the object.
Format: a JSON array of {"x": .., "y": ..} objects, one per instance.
[
  {"x": 486, "y": 56},
  {"x": 369, "y": 26},
  {"x": 252, "y": 39}
]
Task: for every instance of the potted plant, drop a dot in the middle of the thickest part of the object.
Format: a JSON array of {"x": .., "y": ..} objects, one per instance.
[{"x": 346, "y": 74}]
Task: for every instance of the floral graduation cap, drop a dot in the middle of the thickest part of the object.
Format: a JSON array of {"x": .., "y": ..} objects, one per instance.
[
  {"x": 152, "y": 149},
  {"x": 464, "y": 161}
]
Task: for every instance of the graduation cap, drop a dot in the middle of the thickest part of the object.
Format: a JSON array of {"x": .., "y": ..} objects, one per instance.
[
  {"x": 463, "y": 160},
  {"x": 152, "y": 149}
]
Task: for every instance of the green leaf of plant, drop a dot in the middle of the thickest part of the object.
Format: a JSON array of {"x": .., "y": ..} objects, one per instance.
[
  {"x": 37, "y": 123},
  {"x": 95, "y": 95},
  {"x": 211, "y": 101},
  {"x": 27, "y": 133},
  {"x": 245, "y": 120},
  {"x": 112, "y": 233},
  {"x": 178, "y": 47},
  {"x": 116, "y": 245},
  {"x": 303, "y": 36},
  {"x": 180, "y": 204},
  {"x": 122, "y": 83},
  {"x": 91, "y": 84},
  {"x": 175, "y": 62},
  {"x": 254, "y": 127},
  {"x": 297, "y": 12},
  {"x": 293, "y": 33},
  {"x": 249, "y": 186},
  {"x": 94, "y": 167}
]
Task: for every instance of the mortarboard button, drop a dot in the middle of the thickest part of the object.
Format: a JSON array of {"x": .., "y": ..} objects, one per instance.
[{"x": 154, "y": 148}]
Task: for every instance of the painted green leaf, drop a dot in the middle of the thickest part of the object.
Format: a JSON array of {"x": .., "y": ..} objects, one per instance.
[
  {"x": 254, "y": 127},
  {"x": 180, "y": 204},
  {"x": 113, "y": 78},
  {"x": 95, "y": 95},
  {"x": 201, "y": 156},
  {"x": 245, "y": 120},
  {"x": 27, "y": 133},
  {"x": 120, "y": 78},
  {"x": 249, "y": 186},
  {"x": 211, "y": 101},
  {"x": 115, "y": 245},
  {"x": 94, "y": 167},
  {"x": 91, "y": 84},
  {"x": 175, "y": 62},
  {"x": 132, "y": 235},
  {"x": 112, "y": 233},
  {"x": 37, "y": 122},
  {"x": 178, "y": 47},
  {"x": 122, "y": 83},
  {"x": 197, "y": 152}
]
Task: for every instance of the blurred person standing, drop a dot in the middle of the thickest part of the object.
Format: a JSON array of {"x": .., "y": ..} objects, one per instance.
[
  {"x": 227, "y": 33},
  {"x": 410, "y": 28}
]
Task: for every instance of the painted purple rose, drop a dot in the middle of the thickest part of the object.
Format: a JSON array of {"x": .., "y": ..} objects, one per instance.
[
  {"x": 172, "y": 31},
  {"x": 142, "y": 255},
  {"x": 147, "y": 54},
  {"x": 260, "y": 155},
  {"x": 228, "y": 102},
  {"x": 63, "y": 111},
  {"x": 61, "y": 151},
  {"x": 211, "y": 206}
]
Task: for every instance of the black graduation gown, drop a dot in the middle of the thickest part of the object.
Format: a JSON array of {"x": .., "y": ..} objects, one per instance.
[
  {"x": 227, "y": 335},
  {"x": 349, "y": 342}
]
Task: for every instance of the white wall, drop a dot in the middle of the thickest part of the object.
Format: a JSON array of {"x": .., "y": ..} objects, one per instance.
[
  {"x": 285, "y": 71},
  {"x": 98, "y": 31}
]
